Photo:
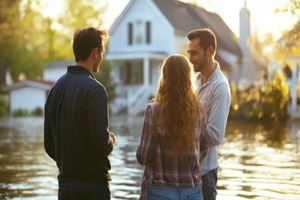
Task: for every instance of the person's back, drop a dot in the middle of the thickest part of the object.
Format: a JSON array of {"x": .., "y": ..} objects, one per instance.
[
  {"x": 76, "y": 133},
  {"x": 169, "y": 169},
  {"x": 80, "y": 154},
  {"x": 172, "y": 133}
]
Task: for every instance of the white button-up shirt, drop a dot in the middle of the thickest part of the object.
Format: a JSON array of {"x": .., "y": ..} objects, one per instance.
[{"x": 215, "y": 97}]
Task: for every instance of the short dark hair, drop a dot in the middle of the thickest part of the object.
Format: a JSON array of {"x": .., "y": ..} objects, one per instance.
[
  {"x": 85, "y": 40},
  {"x": 206, "y": 37}
]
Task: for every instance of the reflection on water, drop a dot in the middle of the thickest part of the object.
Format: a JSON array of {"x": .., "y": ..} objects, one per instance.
[
  {"x": 256, "y": 161},
  {"x": 260, "y": 162}
]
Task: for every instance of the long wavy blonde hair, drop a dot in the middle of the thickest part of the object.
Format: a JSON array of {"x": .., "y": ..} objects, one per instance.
[{"x": 178, "y": 104}]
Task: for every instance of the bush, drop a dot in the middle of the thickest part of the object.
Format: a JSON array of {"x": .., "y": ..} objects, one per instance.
[
  {"x": 20, "y": 113},
  {"x": 103, "y": 76},
  {"x": 37, "y": 112},
  {"x": 3, "y": 104},
  {"x": 265, "y": 102}
]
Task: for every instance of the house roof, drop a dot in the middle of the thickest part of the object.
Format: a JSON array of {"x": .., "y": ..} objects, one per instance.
[
  {"x": 259, "y": 61},
  {"x": 39, "y": 84},
  {"x": 184, "y": 17}
]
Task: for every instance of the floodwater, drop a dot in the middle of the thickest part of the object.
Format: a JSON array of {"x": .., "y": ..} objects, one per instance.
[{"x": 256, "y": 161}]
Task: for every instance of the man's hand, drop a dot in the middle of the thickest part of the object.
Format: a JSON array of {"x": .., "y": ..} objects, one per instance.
[{"x": 112, "y": 137}]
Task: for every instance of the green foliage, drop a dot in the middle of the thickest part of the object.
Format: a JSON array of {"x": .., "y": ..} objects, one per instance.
[
  {"x": 3, "y": 104},
  {"x": 20, "y": 113},
  {"x": 25, "y": 113},
  {"x": 103, "y": 76},
  {"x": 37, "y": 112},
  {"x": 275, "y": 97},
  {"x": 74, "y": 16},
  {"x": 22, "y": 40},
  {"x": 29, "y": 40},
  {"x": 265, "y": 102},
  {"x": 290, "y": 39}
]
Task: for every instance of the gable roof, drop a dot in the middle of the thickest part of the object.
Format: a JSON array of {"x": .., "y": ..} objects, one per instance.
[
  {"x": 39, "y": 84},
  {"x": 184, "y": 17}
]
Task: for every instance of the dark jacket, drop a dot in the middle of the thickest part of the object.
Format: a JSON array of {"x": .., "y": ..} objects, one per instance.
[{"x": 76, "y": 131}]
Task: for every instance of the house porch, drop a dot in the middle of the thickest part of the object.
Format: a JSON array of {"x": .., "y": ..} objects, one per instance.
[{"x": 136, "y": 79}]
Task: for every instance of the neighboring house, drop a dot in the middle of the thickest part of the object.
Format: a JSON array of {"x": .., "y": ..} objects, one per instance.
[
  {"x": 28, "y": 95},
  {"x": 253, "y": 65},
  {"x": 5, "y": 77},
  {"x": 146, "y": 32},
  {"x": 293, "y": 81},
  {"x": 54, "y": 70}
]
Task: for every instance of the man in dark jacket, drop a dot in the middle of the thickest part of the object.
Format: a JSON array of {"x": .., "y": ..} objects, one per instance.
[{"x": 76, "y": 127}]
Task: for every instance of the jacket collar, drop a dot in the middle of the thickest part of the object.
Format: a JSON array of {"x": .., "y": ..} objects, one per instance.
[{"x": 79, "y": 69}]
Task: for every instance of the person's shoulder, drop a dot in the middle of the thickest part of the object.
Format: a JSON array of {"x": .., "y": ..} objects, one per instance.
[
  {"x": 95, "y": 84},
  {"x": 153, "y": 104}
]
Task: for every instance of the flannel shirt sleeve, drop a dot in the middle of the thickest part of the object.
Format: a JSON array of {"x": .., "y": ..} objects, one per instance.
[{"x": 142, "y": 153}]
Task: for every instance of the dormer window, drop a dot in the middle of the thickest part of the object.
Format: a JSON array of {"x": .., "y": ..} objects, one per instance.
[{"x": 139, "y": 32}]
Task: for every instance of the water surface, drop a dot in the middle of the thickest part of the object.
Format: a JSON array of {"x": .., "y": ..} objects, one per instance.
[{"x": 257, "y": 161}]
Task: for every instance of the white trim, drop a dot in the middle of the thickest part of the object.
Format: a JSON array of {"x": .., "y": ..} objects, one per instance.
[{"x": 29, "y": 83}]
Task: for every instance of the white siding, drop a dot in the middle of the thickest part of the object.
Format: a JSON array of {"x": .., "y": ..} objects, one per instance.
[
  {"x": 27, "y": 98},
  {"x": 53, "y": 74},
  {"x": 161, "y": 30},
  {"x": 180, "y": 44}
]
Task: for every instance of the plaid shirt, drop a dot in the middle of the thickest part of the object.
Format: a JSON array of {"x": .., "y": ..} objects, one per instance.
[{"x": 166, "y": 169}]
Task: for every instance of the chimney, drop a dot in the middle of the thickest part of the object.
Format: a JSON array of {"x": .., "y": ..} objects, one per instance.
[{"x": 244, "y": 27}]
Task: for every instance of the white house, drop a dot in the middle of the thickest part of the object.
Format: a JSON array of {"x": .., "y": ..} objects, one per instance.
[
  {"x": 149, "y": 30},
  {"x": 293, "y": 81},
  {"x": 28, "y": 95},
  {"x": 54, "y": 70},
  {"x": 253, "y": 65}
]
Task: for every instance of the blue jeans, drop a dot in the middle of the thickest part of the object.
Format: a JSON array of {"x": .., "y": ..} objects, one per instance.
[
  {"x": 209, "y": 184},
  {"x": 83, "y": 191},
  {"x": 167, "y": 193}
]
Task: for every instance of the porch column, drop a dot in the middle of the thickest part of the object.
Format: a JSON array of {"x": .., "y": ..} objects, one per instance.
[{"x": 146, "y": 71}]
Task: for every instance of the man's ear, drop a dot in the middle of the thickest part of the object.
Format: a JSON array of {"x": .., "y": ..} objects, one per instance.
[
  {"x": 96, "y": 52},
  {"x": 211, "y": 51}
]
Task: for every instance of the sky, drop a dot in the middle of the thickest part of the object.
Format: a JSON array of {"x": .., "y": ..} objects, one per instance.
[{"x": 263, "y": 18}]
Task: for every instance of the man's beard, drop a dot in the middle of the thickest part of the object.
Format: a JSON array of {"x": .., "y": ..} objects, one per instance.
[{"x": 199, "y": 67}]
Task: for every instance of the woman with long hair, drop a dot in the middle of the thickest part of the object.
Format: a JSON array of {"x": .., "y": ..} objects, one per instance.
[{"x": 173, "y": 133}]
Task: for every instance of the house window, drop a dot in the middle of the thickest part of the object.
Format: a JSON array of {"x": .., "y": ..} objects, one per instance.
[
  {"x": 148, "y": 32},
  {"x": 130, "y": 33},
  {"x": 139, "y": 32},
  {"x": 132, "y": 72}
]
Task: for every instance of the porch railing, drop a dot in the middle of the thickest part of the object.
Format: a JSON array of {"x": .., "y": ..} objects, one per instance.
[{"x": 137, "y": 100}]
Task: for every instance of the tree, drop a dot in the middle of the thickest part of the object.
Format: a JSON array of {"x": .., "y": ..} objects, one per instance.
[
  {"x": 22, "y": 39},
  {"x": 103, "y": 76},
  {"x": 75, "y": 14},
  {"x": 292, "y": 7},
  {"x": 29, "y": 40},
  {"x": 9, "y": 23},
  {"x": 290, "y": 41}
]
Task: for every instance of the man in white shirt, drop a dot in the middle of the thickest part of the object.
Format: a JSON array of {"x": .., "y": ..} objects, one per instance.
[{"x": 214, "y": 94}]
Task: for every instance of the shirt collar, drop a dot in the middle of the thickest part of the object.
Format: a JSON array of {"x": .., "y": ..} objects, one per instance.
[
  {"x": 212, "y": 77},
  {"x": 79, "y": 69}
]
